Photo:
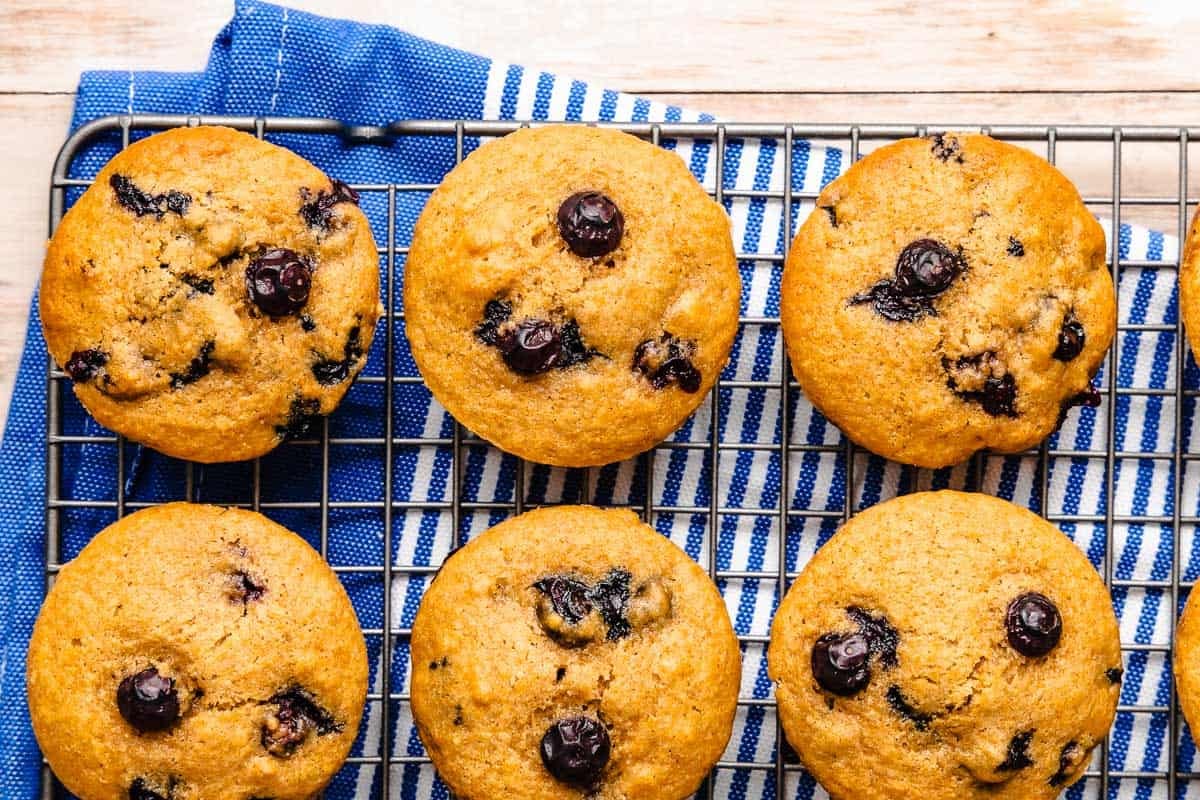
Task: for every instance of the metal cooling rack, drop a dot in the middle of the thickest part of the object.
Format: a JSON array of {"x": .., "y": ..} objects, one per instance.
[{"x": 849, "y": 137}]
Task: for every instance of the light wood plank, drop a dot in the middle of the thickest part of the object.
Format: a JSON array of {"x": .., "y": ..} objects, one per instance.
[
  {"x": 31, "y": 129},
  {"x": 678, "y": 45}
]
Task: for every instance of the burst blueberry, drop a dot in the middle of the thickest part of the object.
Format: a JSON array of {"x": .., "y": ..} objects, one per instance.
[{"x": 279, "y": 281}]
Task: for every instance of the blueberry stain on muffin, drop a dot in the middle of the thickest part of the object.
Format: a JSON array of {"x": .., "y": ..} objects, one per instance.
[
  {"x": 142, "y": 203},
  {"x": 831, "y": 212},
  {"x": 1071, "y": 338},
  {"x": 1017, "y": 757},
  {"x": 667, "y": 360},
  {"x": 1015, "y": 248},
  {"x": 317, "y": 210},
  {"x": 197, "y": 283},
  {"x": 575, "y": 750},
  {"x": 330, "y": 371},
  {"x": 982, "y": 379},
  {"x": 295, "y": 716},
  {"x": 302, "y": 415},
  {"x": 591, "y": 224},
  {"x": 575, "y": 613},
  {"x": 278, "y": 282},
  {"x": 1033, "y": 624},
  {"x": 924, "y": 271},
  {"x": 83, "y": 365},
  {"x": 495, "y": 314},
  {"x": 244, "y": 588},
  {"x": 1069, "y": 759},
  {"x": 144, "y": 789},
  {"x": 197, "y": 368},
  {"x": 148, "y": 701},
  {"x": 901, "y": 705},
  {"x": 946, "y": 148}
]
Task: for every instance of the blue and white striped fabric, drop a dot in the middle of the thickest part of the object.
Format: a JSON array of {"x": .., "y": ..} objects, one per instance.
[{"x": 271, "y": 60}]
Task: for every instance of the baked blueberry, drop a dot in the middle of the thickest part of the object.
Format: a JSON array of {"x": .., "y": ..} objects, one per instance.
[
  {"x": 568, "y": 597},
  {"x": 148, "y": 701},
  {"x": 295, "y": 716},
  {"x": 1071, "y": 338},
  {"x": 303, "y": 413},
  {"x": 1017, "y": 757},
  {"x": 840, "y": 663},
  {"x": 668, "y": 360},
  {"x": 946, "y": 148},
  {"x": 142, "y": 203},
  {"x": 530, "y": 347},
  {"x": 245, "y": 588},
  {"x": 317, "y": 211},
  {"x": 610, "y": 595},
  {"x": 84, "y": 364},
  {"x": 1114, "y": 674},
  {"x": 141, "y": 789},
  {"x": 575, "y": 750},
  {"x": 329, "y": 371},
  {"x": 279, "y": 281},
  {"x": 591, "y": 224},
  {"x": 1068, "y": 761},
  {"x": 495, "y": 314},
  {"x": 1033, "y": 624},
  {"x": 197, "y": 368},
  {"x": 1015, "y": 248},
  {"x": 924, "y": 270},
  {"x": 882, "y": 636}
]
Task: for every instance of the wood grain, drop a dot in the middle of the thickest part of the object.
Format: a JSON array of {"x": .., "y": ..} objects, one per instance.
[{"x": 679, "y": 45}]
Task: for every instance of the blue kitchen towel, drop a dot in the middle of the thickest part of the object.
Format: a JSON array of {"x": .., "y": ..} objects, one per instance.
[{"x": 272, "y": 60}]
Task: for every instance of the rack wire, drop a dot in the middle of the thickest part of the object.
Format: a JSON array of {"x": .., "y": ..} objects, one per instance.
[{"x": 784, "y": 777}]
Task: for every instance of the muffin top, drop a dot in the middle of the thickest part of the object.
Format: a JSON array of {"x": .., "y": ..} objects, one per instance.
[
  {"x": 210, "y": 294},
  {"x": 571, "y": 294},
  {"x": 947, "y": 295},
  {"x": 573, "y": 652},
  {"x": 193, "y": 652},
  {"x": 966, "y": 642}
]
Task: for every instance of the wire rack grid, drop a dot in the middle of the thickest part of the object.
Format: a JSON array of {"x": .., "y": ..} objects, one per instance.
[{"x": 783, "y": 776}]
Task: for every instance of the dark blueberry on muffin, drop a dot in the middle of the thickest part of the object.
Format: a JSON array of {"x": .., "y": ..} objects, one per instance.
[
  {"x": 279, "y": 281},
  {"x": 148, "y": 701},
  {"x": 84, "y": 364},
  {"x": 840, "y": 663},
  {"x": 1034, "y": 625},
  {"x": 591, "y": 224},
  {"x": 575, "y": 750}
]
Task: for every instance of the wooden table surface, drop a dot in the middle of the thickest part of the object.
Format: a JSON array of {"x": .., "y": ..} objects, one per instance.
[{"x": 987, "y": 62}]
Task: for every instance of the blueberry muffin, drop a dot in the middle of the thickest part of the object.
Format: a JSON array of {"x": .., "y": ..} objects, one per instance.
[
  {"x": 1189, "y": 284},
  {"x": 947, "y": 295},
  {"x": 211, "y": 294},
  {"x": 194, "y": 652},
  {"x": 572, "y": 652},
  {"x": 1187, "y": 663},
  {"x": 571, "y": 294},
  {"x": 967, "y": 641}
]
